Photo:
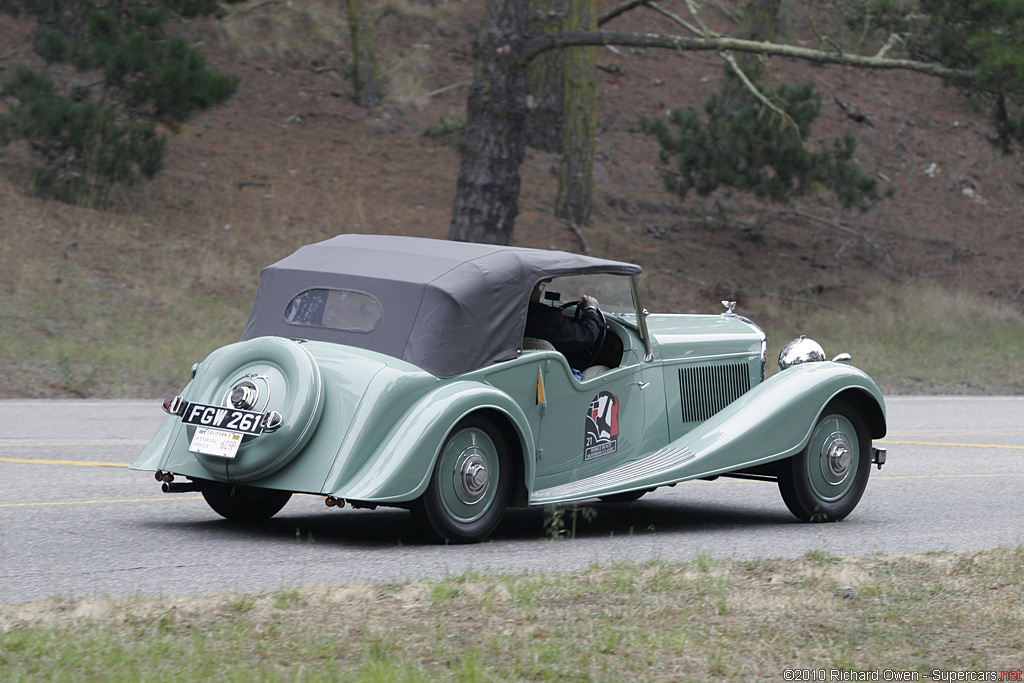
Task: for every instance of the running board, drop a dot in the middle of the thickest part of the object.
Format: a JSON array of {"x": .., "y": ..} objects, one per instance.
[{"x": 630, "y": 476}]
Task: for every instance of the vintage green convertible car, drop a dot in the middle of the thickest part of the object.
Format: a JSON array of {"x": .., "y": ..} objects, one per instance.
[{"x": 393, "y": 371}]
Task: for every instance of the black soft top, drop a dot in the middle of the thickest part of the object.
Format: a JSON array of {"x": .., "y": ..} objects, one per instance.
[{"x": 446, "y": 307}]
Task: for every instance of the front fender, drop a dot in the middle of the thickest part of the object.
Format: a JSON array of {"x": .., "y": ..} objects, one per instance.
[
  {"x": 400, "y": 468},
  {"x": 770, "y": 422},
  {"x": 774, "y": 419}
]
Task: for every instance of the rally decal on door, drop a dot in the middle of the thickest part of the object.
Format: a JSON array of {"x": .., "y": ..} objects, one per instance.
[{"x": 602, "y": 434}]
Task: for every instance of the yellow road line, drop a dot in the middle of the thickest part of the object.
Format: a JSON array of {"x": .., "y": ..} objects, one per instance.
[
  {"x": 725, "y": 479},
  {"x": 74, "y": 445},
  {"x": 936, "y": 434},
  {"x": 954, "y": 445},
  {"x": 98, "y": 502},
  {"x": 73, "y": 463},
  {"x": 875, "y": 477}
]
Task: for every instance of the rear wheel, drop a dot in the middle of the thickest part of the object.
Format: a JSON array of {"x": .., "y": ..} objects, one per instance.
[
  {"x": 245, "y": 503},
  {"x": 825, "y": 481},
  {"x": 470, "y": 486}
]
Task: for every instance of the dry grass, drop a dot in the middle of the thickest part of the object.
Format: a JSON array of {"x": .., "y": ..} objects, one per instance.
[
  {"x": 317, "y": 32},
  {"x": 653, "y": 622},
  {"x": 924, "y": 338},
  {"x": 307, "y": 29}
]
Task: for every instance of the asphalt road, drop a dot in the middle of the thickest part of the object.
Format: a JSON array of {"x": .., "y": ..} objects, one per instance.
[{"x": 75, "y": 522}]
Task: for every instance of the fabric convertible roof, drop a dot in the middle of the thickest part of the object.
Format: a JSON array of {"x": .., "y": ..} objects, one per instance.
[{"x": 446, "y": 307}]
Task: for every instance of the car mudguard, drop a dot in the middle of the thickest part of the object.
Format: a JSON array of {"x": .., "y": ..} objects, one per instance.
[
  {"x": 774, "y": 419},
  {"x": 400, "y": 468},
  {"x": 770, "y": 422},
  {"x": 154, "y": 455}
]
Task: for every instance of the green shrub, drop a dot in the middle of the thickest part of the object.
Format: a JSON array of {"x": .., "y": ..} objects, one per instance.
[
  {"x": 81, "y": 142},
  {"x": 754, "y": 149},
  {"x": 90, "y": 138}
]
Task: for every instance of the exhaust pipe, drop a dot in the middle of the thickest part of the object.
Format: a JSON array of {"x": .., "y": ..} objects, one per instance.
[{"x": 180, "y": 487}]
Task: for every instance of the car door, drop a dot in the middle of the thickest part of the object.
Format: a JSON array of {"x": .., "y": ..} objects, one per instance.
[{"x": 588, "y": 427}]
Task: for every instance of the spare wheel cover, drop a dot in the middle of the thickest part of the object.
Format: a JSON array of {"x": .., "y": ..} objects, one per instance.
[{"x": 287, "y": 379}]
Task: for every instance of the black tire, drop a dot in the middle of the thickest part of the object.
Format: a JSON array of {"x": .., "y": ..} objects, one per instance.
[
  {"x": 825, "y": 481},
  {"x": 245, "y": 503},
  {"x": 470, "y": 487}
]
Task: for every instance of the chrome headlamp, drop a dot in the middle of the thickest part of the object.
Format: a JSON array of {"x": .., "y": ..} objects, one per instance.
[{"x": 800, "y": 350}]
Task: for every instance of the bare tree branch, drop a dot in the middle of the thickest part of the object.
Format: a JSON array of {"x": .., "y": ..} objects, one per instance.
[
  {"x": 619, "y": 10},
  {"x": 893, "y": 39},
  {"x": 539, "y": 44},
  {"x": 706, "y": 32},
  {"x": 730, "y": 13},
  {"x": 758, "y": 95},
  {"x": 823, "y": 39},
  {"x": 695, "y": 12},
  {"x": 827, "y": 222},
  {"x": 679, "y": 20},
  {"x": 576, "y": 230},
  {"x": 453, "y": 86}
]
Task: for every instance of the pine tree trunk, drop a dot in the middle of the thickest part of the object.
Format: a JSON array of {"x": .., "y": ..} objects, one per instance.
[
  {"x": 364, "y": 54},
  {"x": 579, "y": 124},
  {"x": 546, "y": 74},
  {"x": 487, "y": 194}
]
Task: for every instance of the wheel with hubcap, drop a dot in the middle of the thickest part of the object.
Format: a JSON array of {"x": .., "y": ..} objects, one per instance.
[
  {"x": 245, "y": 503},
  {"x": 825, "y": 481},
  {"x": 470, "y": 485}
]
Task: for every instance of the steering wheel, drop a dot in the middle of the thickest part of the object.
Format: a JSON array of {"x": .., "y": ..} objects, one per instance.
[{"x": 596, "y": 348}]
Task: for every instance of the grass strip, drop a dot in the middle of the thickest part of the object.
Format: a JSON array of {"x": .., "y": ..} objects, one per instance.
[{"x": 658, "y": 621}]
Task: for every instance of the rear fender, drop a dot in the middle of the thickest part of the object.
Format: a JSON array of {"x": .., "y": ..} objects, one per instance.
[
  {"x": 154, "y": 456},
  {"x": 400, "y": 468}
]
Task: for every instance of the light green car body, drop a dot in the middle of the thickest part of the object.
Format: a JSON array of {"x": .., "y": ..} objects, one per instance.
[
  {"x": 384, "y": 420},
  {"x": 689, "y": 400}
]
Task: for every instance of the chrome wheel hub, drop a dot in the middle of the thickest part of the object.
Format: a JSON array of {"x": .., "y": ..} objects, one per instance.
[
  {"x": 836, "y": 459},
  {"x": 471, "y": 477},
  {"x": 244, "y": 395}
]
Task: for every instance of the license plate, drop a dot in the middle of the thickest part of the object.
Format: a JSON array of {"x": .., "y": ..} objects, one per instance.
[
  {"x": 218, "y": 442},
  {"x": 227, "y": 419}
]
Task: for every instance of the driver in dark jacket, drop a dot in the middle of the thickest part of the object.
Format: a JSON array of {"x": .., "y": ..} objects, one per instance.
[{"x": 570, "y": 337}]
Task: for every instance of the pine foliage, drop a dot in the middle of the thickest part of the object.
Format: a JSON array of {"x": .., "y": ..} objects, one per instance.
[
  {"x": 984, "y": 36},
  {"x": 90, "y": 138},
  {"x": 755, "y": 149}
]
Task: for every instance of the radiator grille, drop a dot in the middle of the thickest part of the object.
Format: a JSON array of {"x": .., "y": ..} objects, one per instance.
[{"x": 705, "y": 390}]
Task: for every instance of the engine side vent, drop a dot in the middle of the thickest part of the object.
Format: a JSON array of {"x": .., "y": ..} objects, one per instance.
[{"x": 707, "y": 389}]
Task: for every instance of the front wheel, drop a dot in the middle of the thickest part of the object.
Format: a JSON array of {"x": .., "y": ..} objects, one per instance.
[
  {"x": 825, "y": 481},
  {"x": 245, "y": 503},
  {"x": 470, "y": 486}
]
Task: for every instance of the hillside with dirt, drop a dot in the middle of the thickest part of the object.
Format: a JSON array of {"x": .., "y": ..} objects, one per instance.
[{"x": 291, "y": 159}]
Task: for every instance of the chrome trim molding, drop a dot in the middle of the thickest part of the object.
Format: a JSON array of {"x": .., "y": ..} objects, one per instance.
[{"x": 730, "y": 313}]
